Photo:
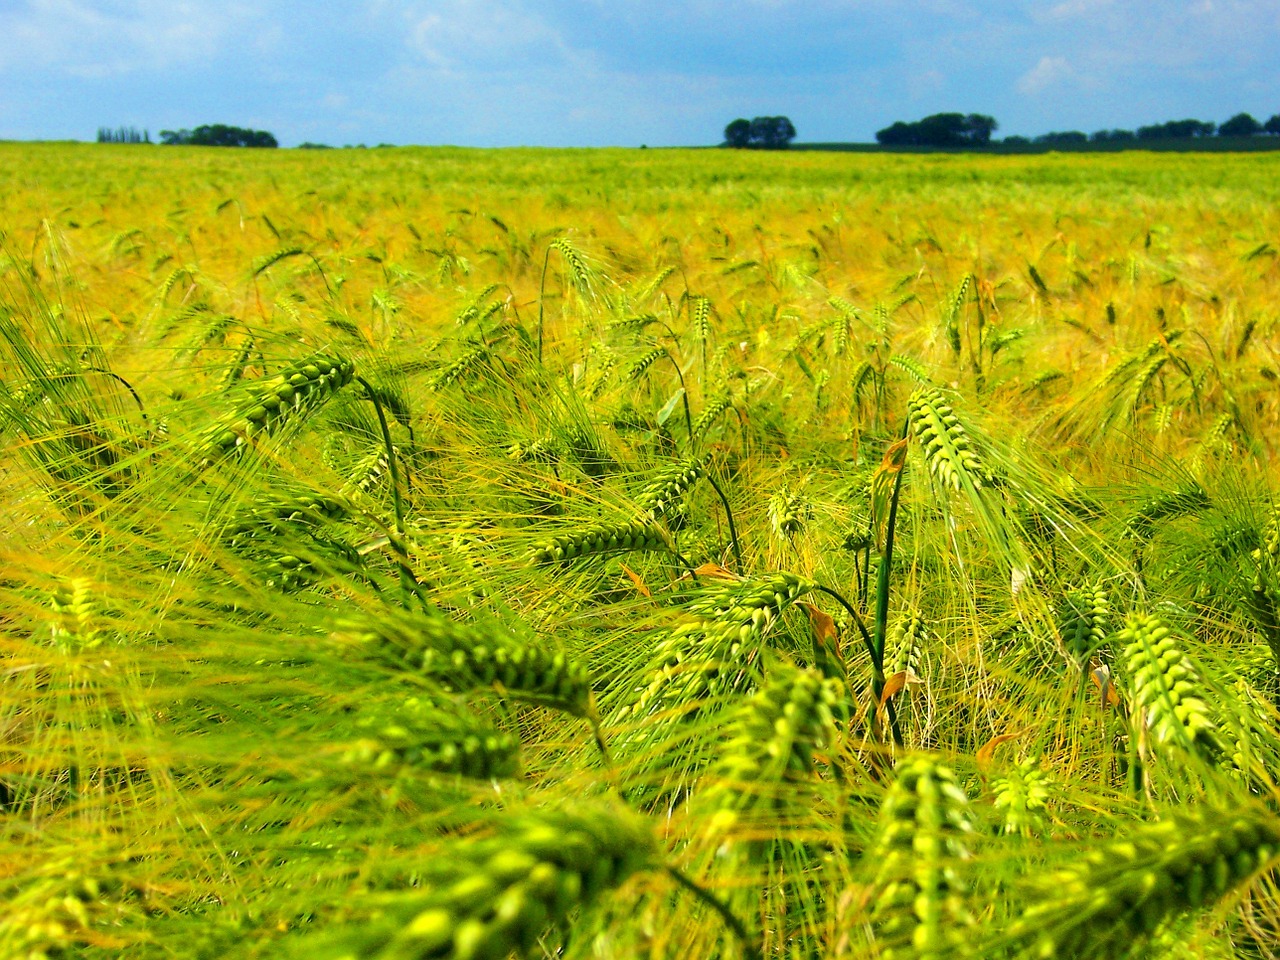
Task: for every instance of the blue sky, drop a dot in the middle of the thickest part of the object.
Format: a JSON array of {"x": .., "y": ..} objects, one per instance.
[{"x": 625, "y": 72}]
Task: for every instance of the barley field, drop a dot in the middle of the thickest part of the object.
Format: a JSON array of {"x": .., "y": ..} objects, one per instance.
[{"x": 417, "y": 553}]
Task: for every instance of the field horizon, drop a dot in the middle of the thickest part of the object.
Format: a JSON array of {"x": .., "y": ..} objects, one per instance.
[{"x": 610, "y": 553}]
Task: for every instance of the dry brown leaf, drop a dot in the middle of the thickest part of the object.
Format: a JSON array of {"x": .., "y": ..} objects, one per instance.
[
  {"x": 882, "y": 484},
  {"x": 824, "y": 627},
  {"x": 712, "y": 571},
  {"x": 895, "y": 683},
  {"x": 636, "y": 579},
  {"x": 1101, "y": 678},
  {"x": 988, "y": 749}
]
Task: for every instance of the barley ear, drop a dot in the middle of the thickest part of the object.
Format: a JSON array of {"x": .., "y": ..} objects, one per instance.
[
  {"x": 772, "y": 741},
  {"x": 275, "y": 402},
  {"x": 487, "y": 899},
  {"x": 462, "y": 656},
  {"x": 947, "y": 448},
  {"x": 1167, "y": 689},
  {"x": 920, "y": 910},
  {"x": 1114, "y": 895}
]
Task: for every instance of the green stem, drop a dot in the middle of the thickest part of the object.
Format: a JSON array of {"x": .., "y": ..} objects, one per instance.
[
  {"x": 728, "y": 512},
  {"x": 407, "y": 580},
  {"x": 127, "y": 385},
  {"x": 684, "y": 395},
  {"x": 857, "y": 620},
  {"x": 542, "y": 287},
  {"x": 866, "y": 639},
  {"x": 750, "y": 950},
  {"x": 882, "y": 588}
]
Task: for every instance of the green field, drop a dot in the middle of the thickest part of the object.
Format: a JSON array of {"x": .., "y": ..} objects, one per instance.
[{"x": 418, "y": 553}]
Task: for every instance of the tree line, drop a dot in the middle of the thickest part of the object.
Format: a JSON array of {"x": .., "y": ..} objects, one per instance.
[
  {"x": 209, "y": 135},
  {"x": 1241, "y": 125},
  {"x": 123, "y": 135},
  {"x": 218, "y": 135},
  {"x": 975, "y": 129},
  {"x": 940, "y": 130}
]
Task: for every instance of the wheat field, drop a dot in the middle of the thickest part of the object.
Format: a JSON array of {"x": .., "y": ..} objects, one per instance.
[{"x": 417, "y": 553}]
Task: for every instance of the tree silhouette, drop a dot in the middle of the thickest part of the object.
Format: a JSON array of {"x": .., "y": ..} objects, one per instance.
[
  {"x": 766, "y": 133},
  {"x": 940, "y": 130},
  {"x": 979, "y": 128},
  {"x": 218, "y": 135},
  {"x": 1113, "y": 136},
  {"x": 1177, "y": 130},
  {"x": 123, "y": 135},
  {"x": 1061, "y": 137},
  {"x": 1241, "y": 125},
  {"x": 1272, "y": 125},
  {"x": 738, "y": 133}
]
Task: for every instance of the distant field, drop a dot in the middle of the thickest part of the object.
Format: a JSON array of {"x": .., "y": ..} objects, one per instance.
[{"x": 616, "y": 553}]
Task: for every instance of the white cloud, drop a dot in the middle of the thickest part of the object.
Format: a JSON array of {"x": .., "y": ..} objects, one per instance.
[
  {"x": 1049, "y": 72},
  {"x": 92, "y": 39},
  {"x": 461, "y": 34},
  {"x": 1072, "y": 9}
]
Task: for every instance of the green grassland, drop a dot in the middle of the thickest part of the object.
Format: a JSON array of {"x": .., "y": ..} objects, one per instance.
[{"x": 416, "y": 553}]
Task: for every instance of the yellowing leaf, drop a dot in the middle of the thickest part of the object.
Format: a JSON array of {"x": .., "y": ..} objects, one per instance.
[
  {"x": 1101, "y": 678},
  {"x": 882, "y": 484},
  {"x": 636, "y": 579},
  {"x": 895, "y": 683},
  {"x": 824, "y": 627},
  {"x": 712, "y": 571},
  {"x": 987, "y": 751}
]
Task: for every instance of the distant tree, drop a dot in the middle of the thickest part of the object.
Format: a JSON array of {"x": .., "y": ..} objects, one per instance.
[
  {"x": 1061, "y": 137},
  {"x": 1113, "y": 136},
  {"x": 940, "y": 130},
  {"x": 784, "y": 131},
  {"x": 123, "y": 135},
  {"x": 771, "y": 133},
  {"x": 899, "y": 134},
  {"x": 738, "y": 133},
  {"x": 1273, "y": 125},
  {"x": 980, "y": 127},
  {"x": 943, "y": 130},
  {"x": 308, "y": 145},
  {"x": 1241, "y": 125},
  {"x": 1016, "y": 141},
  {"x": 218, "y": 135},
  {"x": 1177, "y": 130}
]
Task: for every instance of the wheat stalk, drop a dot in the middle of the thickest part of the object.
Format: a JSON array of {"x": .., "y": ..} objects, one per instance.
[
  {"x": 771, "y": 740},
  {"x": 418, "y": 736},
  {"x": 1084, "y": 622},
  {"x": 663, "y": 492},
  {"x": 710, "y": 414},
  {"x": 788, "y": 512},
  {"x": 1022, "y": 795},
  {"x": 460, "y": 368},
  {"x": 599, "y": 540}
]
